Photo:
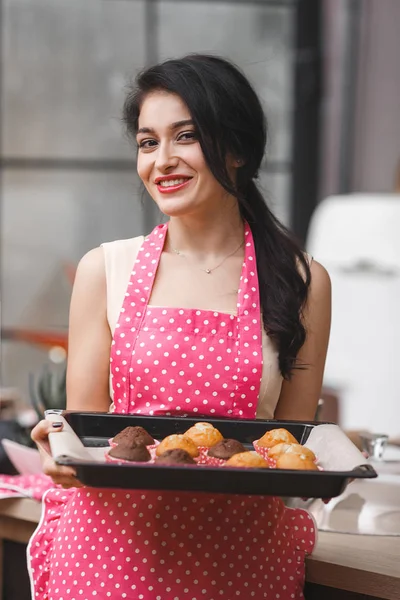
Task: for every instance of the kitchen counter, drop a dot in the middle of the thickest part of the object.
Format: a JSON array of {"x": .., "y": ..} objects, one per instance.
[
  {"x": 361, "y": 564},
  {"x": 18, "y": 520}
]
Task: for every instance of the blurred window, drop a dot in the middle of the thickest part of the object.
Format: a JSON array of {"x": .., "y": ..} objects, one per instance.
[{"x": 69, "y": 179}]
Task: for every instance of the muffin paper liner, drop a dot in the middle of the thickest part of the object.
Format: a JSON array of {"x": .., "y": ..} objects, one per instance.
[
  {"x": 203, "y": 455},
  {"x": 152, "y": 447},
  {"x": 264, "y": 453},
  {"x": 212, "y": 461}
]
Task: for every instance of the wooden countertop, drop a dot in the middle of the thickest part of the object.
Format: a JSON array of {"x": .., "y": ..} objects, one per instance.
[
  {"x": 24, "y": 509},
  {"x": 356, "y": 563},
  {"x": 18, "y": 518},
  {"x": 365, "y": 564}
]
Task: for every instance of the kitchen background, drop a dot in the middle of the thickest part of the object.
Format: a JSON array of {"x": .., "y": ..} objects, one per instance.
[{"x": 328, "y": 74}]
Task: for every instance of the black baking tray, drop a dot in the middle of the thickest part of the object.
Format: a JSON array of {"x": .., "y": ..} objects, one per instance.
[{"x": 95, "y": 429}]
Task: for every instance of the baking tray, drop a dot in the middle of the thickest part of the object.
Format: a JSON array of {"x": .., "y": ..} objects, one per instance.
[{"x": 95, "y": 429}]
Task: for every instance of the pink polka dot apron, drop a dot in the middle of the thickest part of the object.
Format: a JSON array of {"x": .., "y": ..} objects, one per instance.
[{"x": 164, "y": 545}]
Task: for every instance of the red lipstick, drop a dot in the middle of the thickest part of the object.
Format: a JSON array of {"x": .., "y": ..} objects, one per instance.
[{"x": 175, "y": 182}]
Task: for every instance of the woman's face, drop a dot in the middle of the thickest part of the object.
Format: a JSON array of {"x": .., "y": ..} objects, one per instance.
[{"x": 170, "y": 160}]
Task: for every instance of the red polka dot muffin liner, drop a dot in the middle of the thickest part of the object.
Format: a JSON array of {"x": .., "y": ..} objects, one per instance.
[
  {"x": 152, "y": 447},
  {"x": 260, "y": 450},
  {"x": 212, "y": 461},
  {"x": 203, "y": 455},
  {"x": 264, "y": 453}
]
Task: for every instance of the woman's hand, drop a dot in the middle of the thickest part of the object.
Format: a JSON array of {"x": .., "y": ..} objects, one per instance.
[{"x": 64, "y": 476}]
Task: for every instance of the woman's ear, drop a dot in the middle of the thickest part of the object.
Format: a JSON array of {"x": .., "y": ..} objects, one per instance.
[{"x": 235, "y": 162}]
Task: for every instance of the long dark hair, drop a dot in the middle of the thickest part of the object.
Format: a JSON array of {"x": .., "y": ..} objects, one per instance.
[{"x": 229, "y": 119}]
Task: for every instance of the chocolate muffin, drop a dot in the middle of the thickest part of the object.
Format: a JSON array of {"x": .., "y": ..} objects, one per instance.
[
  {"x": 176, "y": 456},
  {"x": 133, "y": 435},
  {"x": 226, "y": 448},
  {"x": 132, "y": 452}
]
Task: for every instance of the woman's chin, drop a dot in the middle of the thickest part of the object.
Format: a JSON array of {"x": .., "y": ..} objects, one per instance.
[{"x": 174, "y": 207}]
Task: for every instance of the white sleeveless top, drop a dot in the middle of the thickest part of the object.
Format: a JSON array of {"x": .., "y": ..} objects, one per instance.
[{"x": 119, "y": 259}]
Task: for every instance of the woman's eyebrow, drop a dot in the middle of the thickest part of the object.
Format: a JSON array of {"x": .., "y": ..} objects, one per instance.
[
  {"x": 181, "y": 123},
  {"x": 175, "y": 125}
]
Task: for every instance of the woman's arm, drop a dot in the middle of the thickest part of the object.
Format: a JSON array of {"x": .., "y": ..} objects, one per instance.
[
  {"x": 89, "y": 345},
  {"x": 89, "y": 338},
  {"x": 299, "y": 396}
]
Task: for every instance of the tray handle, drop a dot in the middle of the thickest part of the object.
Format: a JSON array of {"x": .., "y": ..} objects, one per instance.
[{"x": 65, "y": 442}]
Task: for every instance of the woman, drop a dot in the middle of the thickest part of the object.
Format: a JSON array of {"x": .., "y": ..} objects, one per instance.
[{"x": 222, "y": 315}]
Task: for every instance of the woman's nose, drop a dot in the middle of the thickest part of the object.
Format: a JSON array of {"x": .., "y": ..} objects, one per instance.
[{"x": 165, "y": 158}]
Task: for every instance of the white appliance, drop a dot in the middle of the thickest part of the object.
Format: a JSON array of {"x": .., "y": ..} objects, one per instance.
[{"x": 357, "y": 239}]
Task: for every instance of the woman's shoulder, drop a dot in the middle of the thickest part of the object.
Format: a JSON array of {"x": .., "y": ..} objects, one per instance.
[
  {"x": 320, "y": 279},
  {"x": 91, "y": 263},
  {"x": 317, "y": 271},
  {"x": 96, "y": 262},
  {"x": 320, "y": 289}
]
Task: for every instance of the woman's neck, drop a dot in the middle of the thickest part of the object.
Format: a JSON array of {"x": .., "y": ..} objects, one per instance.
[{"x": 209, "y": 235}]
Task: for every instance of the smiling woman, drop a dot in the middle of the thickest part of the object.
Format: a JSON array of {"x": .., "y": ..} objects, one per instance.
[
  {"x": 171, "y": 162},
  {"x": 216, "y": 313}
]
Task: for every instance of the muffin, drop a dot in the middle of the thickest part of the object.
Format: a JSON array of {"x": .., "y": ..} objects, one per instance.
[
  {"x": 177, "y": 440},
  {"x": 132, "y": 452},
  {"x": 295, "y": 462},
  {"x": 133, "y": 435},
  {"x": 177, "y": 456},
  {"x": 226, "y": 448},
  {"x": 276, "y": 436},
  {"x": 248, "y": 460},
  {"x": 204, "y": 434},
  {"x": 279, "y": 449}
]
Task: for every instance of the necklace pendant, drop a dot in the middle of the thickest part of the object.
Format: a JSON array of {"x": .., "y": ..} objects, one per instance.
[{"x": 208, "y": 271}]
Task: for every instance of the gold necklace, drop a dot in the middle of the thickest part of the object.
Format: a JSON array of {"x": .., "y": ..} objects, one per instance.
[{"x": 209, "y": 271}]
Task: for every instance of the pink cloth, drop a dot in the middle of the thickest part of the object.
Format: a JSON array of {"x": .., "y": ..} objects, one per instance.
[
  {"x": 28, "y": 486},
  {"x": 165, "y": 545}
]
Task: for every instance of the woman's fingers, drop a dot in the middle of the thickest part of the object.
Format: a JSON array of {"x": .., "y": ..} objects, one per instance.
[
  {"x": 51, "y": 469},
  {"x": 69, "y": 482},
  {"x": 40, "y": 434},
  {"x": 65, "y": 476}
]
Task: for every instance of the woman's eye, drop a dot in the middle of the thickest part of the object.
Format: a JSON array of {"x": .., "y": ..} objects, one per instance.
[
  {"x": 187, "y": 136},
  {"x": 147, "y": 144}
]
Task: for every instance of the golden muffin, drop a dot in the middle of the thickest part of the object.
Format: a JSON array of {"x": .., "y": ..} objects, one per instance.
[
  {"x": 295, "y": 462},
  {"x": 247, "y": 459},
  {"x": 177, "y": 440},
  {"x": 204, "y": 434},
  {"x": 279, "y": 449},
  {"x": 276, "y": 436}
]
